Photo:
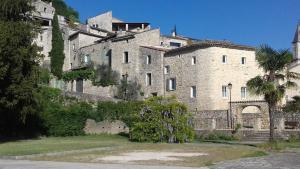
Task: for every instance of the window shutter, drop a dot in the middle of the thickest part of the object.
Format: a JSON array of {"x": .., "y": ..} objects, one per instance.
[
  {"x": 175, "y": 83},
  {"x": 167, "y": 85}
]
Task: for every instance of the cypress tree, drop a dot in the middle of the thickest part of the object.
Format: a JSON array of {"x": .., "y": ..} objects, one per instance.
[
  {"x": 57, "y": 53},
  {"x": 18, "y": 69}
]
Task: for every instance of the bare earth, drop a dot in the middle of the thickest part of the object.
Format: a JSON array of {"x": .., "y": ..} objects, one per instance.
[
  {"x": 287, "y": 160},
  {"x": 144, "y": 156}
]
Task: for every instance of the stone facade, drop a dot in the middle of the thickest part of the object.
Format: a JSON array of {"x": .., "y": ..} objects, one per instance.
[
  {"x": 208, "y": 74},
  {"x": 108, "y": 127}
]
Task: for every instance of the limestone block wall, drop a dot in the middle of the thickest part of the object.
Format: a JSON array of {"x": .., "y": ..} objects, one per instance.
[
  {"x": 155, "y": 68},
  {"x": 109, "y": 127},
  {"x": 104, "y": 21},
  {"x": 209, "y": 74}
]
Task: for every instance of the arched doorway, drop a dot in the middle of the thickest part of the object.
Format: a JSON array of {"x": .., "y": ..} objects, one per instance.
[{"x": 251, "y": 114}]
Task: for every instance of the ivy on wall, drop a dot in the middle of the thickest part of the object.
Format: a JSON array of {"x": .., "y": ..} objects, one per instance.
[{"x": 85, "y": 74}]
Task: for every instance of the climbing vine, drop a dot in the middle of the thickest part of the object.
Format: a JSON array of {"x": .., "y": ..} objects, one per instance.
[{"x": 86, "y": 74}]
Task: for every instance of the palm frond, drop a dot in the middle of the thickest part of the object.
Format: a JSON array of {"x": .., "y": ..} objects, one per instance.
[
  {"x": 290, "y": 84},
  {"x": 292, "y": 75}
]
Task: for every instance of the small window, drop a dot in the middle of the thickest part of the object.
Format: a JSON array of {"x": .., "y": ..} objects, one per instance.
[
  {"x": 125, "y": 57},
  {"x": 224, "y": 91},
  {"x": 193, "y": 60},
  {"x": 148, "y": 59},
  {"x": 175, "y": 44},
  {"x": 224, "y": 59},
  {"x": 193, "y": 92},
  {"x": 243, "y": 60},
  {"x": 161, "y": 43},
  {"x": 243, "y": 92},
  {"x": 167, "y": 69},
  {"x": 45, "y": 9},
  {"x": 73, "y": 47},
  {"x": 148, "y": 79},
  {"x": 41, "y": 38},
  {"x": 87, "y": 58},
  {"x": 171, "y": 84}
]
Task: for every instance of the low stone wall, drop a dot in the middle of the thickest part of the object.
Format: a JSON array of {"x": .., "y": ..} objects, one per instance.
[
  {"x": 210, "y": 120},
  {"x": 89, "y": 97},
  {"x": 109, "y": 127}
]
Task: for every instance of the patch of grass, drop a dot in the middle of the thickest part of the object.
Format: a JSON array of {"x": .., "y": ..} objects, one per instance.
[
  {"x": 256, "y": 154},
  {"x": 59, "y": 144},
  {"x": 279, "y": 145}
]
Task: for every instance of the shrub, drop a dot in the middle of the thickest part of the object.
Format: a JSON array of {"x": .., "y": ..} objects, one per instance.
[
  {"x": 218, "y": 136},
  {"x": 116, "y": 111},
  {"x": 162, "y": 120}
]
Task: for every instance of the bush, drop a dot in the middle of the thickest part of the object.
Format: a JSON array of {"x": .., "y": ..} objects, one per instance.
[
  {"x": 60, "y": 117},
  {"x": 218, "y": 136},
  {"x": 162, "y": 120},
  {"x": 116, "y": 111}
]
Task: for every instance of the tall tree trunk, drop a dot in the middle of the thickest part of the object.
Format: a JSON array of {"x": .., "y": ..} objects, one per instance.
[{"x": 271, "y": 116}]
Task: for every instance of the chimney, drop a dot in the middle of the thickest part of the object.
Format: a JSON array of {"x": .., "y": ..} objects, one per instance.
[{"x": 174, "y": 31}]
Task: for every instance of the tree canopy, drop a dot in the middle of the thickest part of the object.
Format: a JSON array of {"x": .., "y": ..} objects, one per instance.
[{"x": 18, "y": 68}]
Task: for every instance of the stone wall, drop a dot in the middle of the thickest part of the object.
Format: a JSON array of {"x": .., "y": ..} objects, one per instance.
[
  {"x": 209, "y": 74},
  {"x": 109, "y": 127}
]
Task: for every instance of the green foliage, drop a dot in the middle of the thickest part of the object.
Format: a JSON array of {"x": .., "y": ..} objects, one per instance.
[
  {"x": 18, "y": 69},
  {"x": 80, "y": 73},
  {"x": 63, "y": 9},
  {"x": 218, "y": 136},
  {"x": 123, "y": 111},
  {"x": 162, "y": 120},
  {"x": 61, "y": 117},
  {"x": 44, "y": 76},
  {"x": 57, "y": 52},
  {"x": 128, "y": 91},
  {"x": 277, "y": 78},
  {"x": 105, "y": 76},
  {"x": 293, "y": 106}
]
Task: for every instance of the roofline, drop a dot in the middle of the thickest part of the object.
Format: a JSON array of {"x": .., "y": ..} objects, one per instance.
[
  {"x": 86, "y": 33},
  {"x": 155, "y": 48},
  {"x": 131, "y": 23},
  {"x": 204, "y": 45}
]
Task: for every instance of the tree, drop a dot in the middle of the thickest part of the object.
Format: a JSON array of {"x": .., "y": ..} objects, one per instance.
[
  {"x": 18, "y": 69},
  {"x": 162, "y": 120},
  {"x": 57, "y": 52},
  {"x": 105, "y": 76},
  {"x": 276, "y": 79},
  {"x": 128, "y": 90},
  {"x": 293, "y": 106}
]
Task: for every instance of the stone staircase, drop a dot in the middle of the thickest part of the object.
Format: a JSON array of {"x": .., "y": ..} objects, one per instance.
[{"x": 261, "y": 136}]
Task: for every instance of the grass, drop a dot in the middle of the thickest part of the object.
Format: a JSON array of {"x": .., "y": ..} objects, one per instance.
[
  {"x": 59, "y": 144},
  {"x": 118, "y": 145},
  {"x": 279, "y": 145}
]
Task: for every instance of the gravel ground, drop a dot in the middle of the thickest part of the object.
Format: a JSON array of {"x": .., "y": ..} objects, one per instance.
[{"x": 286, "y": 160}]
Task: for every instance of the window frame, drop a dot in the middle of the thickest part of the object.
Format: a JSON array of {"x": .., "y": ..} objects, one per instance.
[
  {"x": 126, "y": 57},
  {"x": 224, "y": 61},
  {"x": 193, "y": 93},
  {"x": 148, "y": 79},
  {"x": 194, "y": 60},
  {"x": 243, "y": 92},
  {"x": 172, "y": 84},
  {"x": 243, "y": 60},
  {"x": 224, "y": 91},
  {"x": 167, "y": 69},
  {"x": 149, "y": 60}
]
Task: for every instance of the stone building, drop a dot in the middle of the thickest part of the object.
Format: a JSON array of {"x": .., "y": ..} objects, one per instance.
[{"x": 295, "y": 66}]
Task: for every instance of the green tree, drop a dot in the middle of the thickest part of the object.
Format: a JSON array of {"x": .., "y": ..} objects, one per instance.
[
  {"x": 18, "y": 69},
  {"x": 57, "y": 53},
  {"x": 276, "y": 79},
  {"x": 293, "y": 106},
  {"x": 162, "y": 120},
  {"x": 128, "y": 90}
]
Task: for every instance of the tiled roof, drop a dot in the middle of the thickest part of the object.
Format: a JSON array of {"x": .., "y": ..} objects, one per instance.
[
  {"x": 211, "y": 43},
  {"x": 156, "y": 48}
]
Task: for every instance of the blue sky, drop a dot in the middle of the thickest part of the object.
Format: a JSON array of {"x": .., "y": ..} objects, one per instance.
[{"x": 250, "y": 22}]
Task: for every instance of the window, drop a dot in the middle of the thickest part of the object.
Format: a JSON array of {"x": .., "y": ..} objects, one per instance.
[
  {"x": 175, "y": 44},
  {"x": 224, "y": 91},
  {"x": 45, "y": 9},
  {"x": 148, "y": 59},
  {"x": 193, "y": 60},
  {"x": 193, "y": 92},
  {"x": 41, "y": 38},
  {"x": 87, "y": 58},
  {"x": 167, "y": 69},
  {"x": 243, "y": 92},
  {"x": 73, "y": 47},
  {"x": 243, "y": 60},
  {"x": 148, "y": 79},
  {"x": 224, "y": 59},
  {"x": 161, "y": 43},
  {"x": 171, "y": 84},
  {"x": 125, "y": 57}
]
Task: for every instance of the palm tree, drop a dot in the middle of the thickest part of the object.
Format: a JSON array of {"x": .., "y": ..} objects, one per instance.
[{"x": 276, "y": 79}]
